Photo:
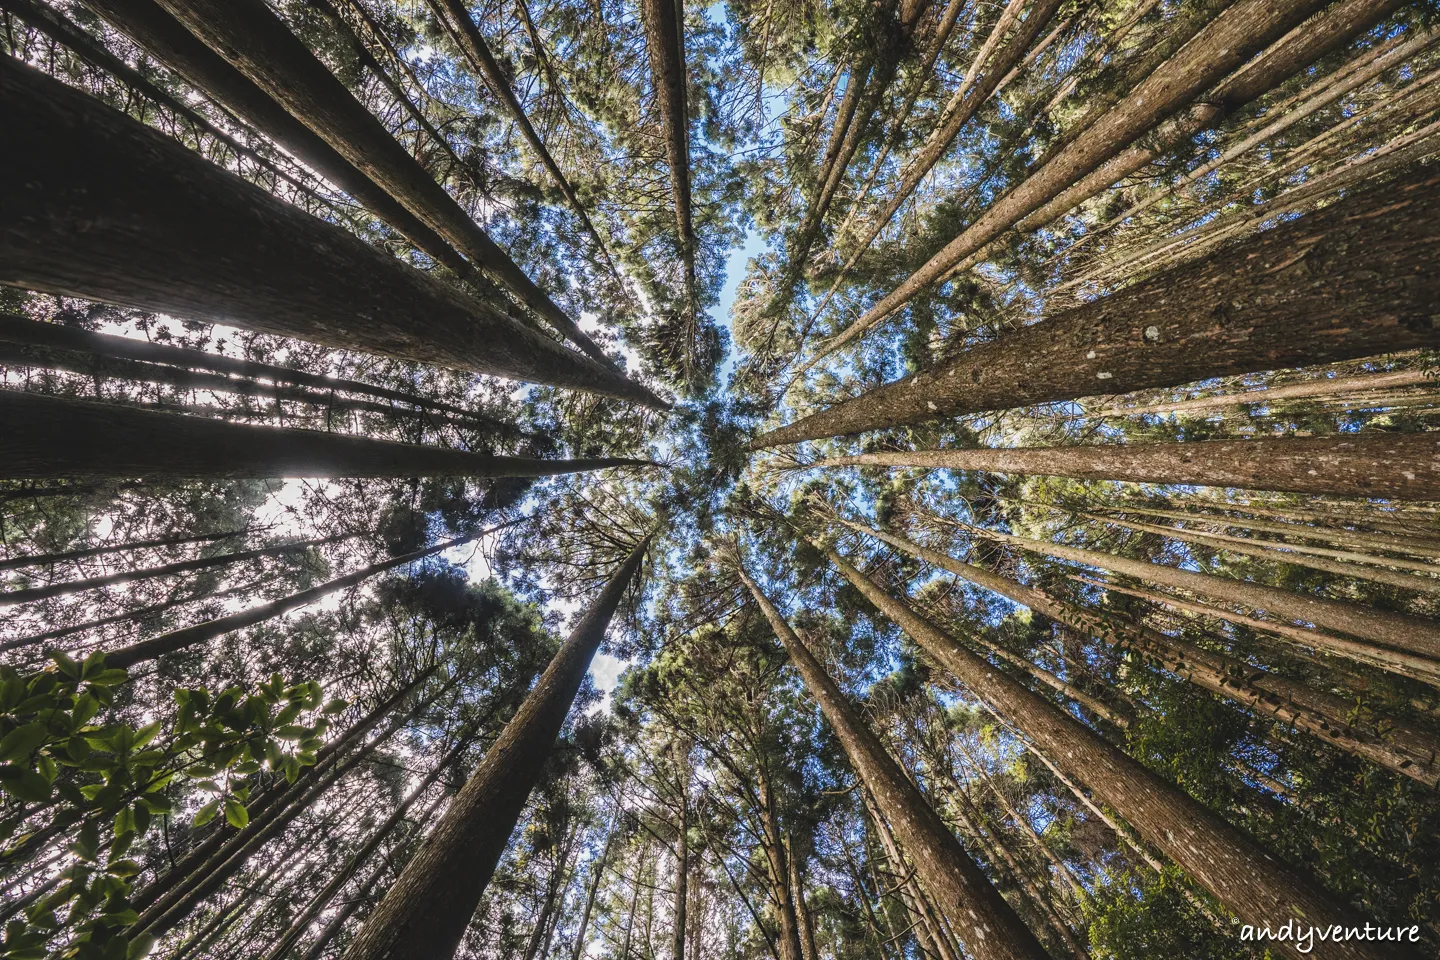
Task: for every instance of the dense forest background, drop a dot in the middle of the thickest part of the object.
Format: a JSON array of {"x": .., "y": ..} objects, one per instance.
[{"x": 425, "y": 532}]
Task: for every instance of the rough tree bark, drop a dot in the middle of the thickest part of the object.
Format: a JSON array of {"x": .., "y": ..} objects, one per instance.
[
  {"x": 425, "y": 912},
  {"x": 50, "y": 436},
  {"x": 35, "y": 333},
  {"x": 988, "y": 926},
  {"x": 98, "y": 205},
  {"x": 1336, "y": 720},
  {"x": 1394, "y": 466},
  {"x": 1352, "y": 280},
  {"x": 1251, "y": 883},
  {"x": 1326, "y": 387},
  {"x": 665, "y": 43},
  {"x": 1399, "y": 631},
  {"x": 258, "y": 43},
  {"x": 168, "y": 41},
  {"x": 1224, "y": 43}
]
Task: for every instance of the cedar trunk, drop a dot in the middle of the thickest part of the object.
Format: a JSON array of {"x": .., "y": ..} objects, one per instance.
[
  {"x": 426, "y": 911},
  {"x": 1396, "y": 745},
  {"x": 47, "y": 436},
  {"x": 988, "y": 926},
  {"x": 1393, "y": 466},
  {"x": 1229, "y": 864},
  {"x": 100, "y": 206},
  {"x": 1352, "y": 280}
]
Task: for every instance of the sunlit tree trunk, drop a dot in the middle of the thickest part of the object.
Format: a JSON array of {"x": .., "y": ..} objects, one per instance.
[
  {"x": 1340, "y": 283},
  {"x": 1221, "y": 859},
  {"x": 989, "y": 927}
]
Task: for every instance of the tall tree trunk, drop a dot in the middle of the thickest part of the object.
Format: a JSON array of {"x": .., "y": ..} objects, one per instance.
[
  {"x": 67, "y": 587},
  {"x": 805, "y": 927},
  {"x": 1399, "y": 631},
  {"x": 777, "y": 864},
  {"x": 665, "y": 43},
  {"x": 929, "y": 934},
  {"x": 49, "y": 436},
  {"x": 426, "y": 911},
  {"x": 1398, "y": 466},
  {"x": 1263, "y": 550},
  {"x": 1224, "y": 861},
  {"x": 989, "y": 927},
  {"x": 320, "y": 901},
  {"x": 1351, "y": 280},
  {"x": 634, "y": 902},
  {"x": 974, "y": 90},
  {"x": 1394, "y": 744},
  {"x": 599, "y": 874},
  {"x": 68, "y": 556},
  {"x": 98, "y": 205},
  {"x": 1307, "y": 389},
  {"x": 164, "y": 38},
  {"x": 682, "y": 877},
  {"x": 34, "y": 333},
  {"x": 184, "y": 637},
  {"x": 258, "y": 43},
  {"x": 1233, "y": 37},
  {"x": 455, "y": 18}
]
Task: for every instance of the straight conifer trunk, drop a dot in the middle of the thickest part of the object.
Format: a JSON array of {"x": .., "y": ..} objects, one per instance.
[
  {"x": 665, "y": 44},
  {"x": 989, "y": 928},
  {"x": 164, "y": 38},
  {"x": 51, "y": 559},
  {"x": 1396, "y": 745},
  {"x": 1229, "y": 864},
  {"x": 65, "y": 588},
  {"x": 1326, "y": 387},
  {"x": 48, "y": 436},
  {"x": 425, "y": 913},
  {"x": 1393, "y": 466},
  {"x": 1399, "y": 631},
  {"x": 1352, "y": 280},
  {"x": 202, "y": 632},
  {"x": 682, "y": 877},
  {"x": 98, "y": 205},
  {"x": 258, "y": 43},
  {"x": 1237, "y": 33}
]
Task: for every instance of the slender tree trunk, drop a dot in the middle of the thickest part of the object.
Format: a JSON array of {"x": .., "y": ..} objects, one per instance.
[
  {"x": 973, "y": 92},
  {"x": 778, "y": 865},
  {"x": 184, "y": 637},
  {"x": 1399, "y": 631},
  {"x": 595, "y": 880},
  {"x": 634, "y": 902},
  {"x": 665, "y": 43},
  {"x": 68, "y": 556},
  {"x": 69, "y": 587},
  {"x": 1308, "y": 389},
  {"x": 100, "y": 206},
  {"x": 1399, "y": 466},
  {"x": 455, "y": 18},
  {"x": 989, "y": 927},
  {"x": 1226, "y": 42},
  {"x": 682, "y": 878},
  {"x": 929, "y": 934},
  {"x": 1223, "y": 860},
  {"x": 1251, "y": 548},
  {"x": 321, "y": 900},
  {"x": 554, "y": 886},
  {"x": 33, "y": 333},
  {"x": 426, "y": 911},
  {"x": 1340, "y": 283},
  {"x": 49, "y": 436},
  {"x": 804, "y": 926}
]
